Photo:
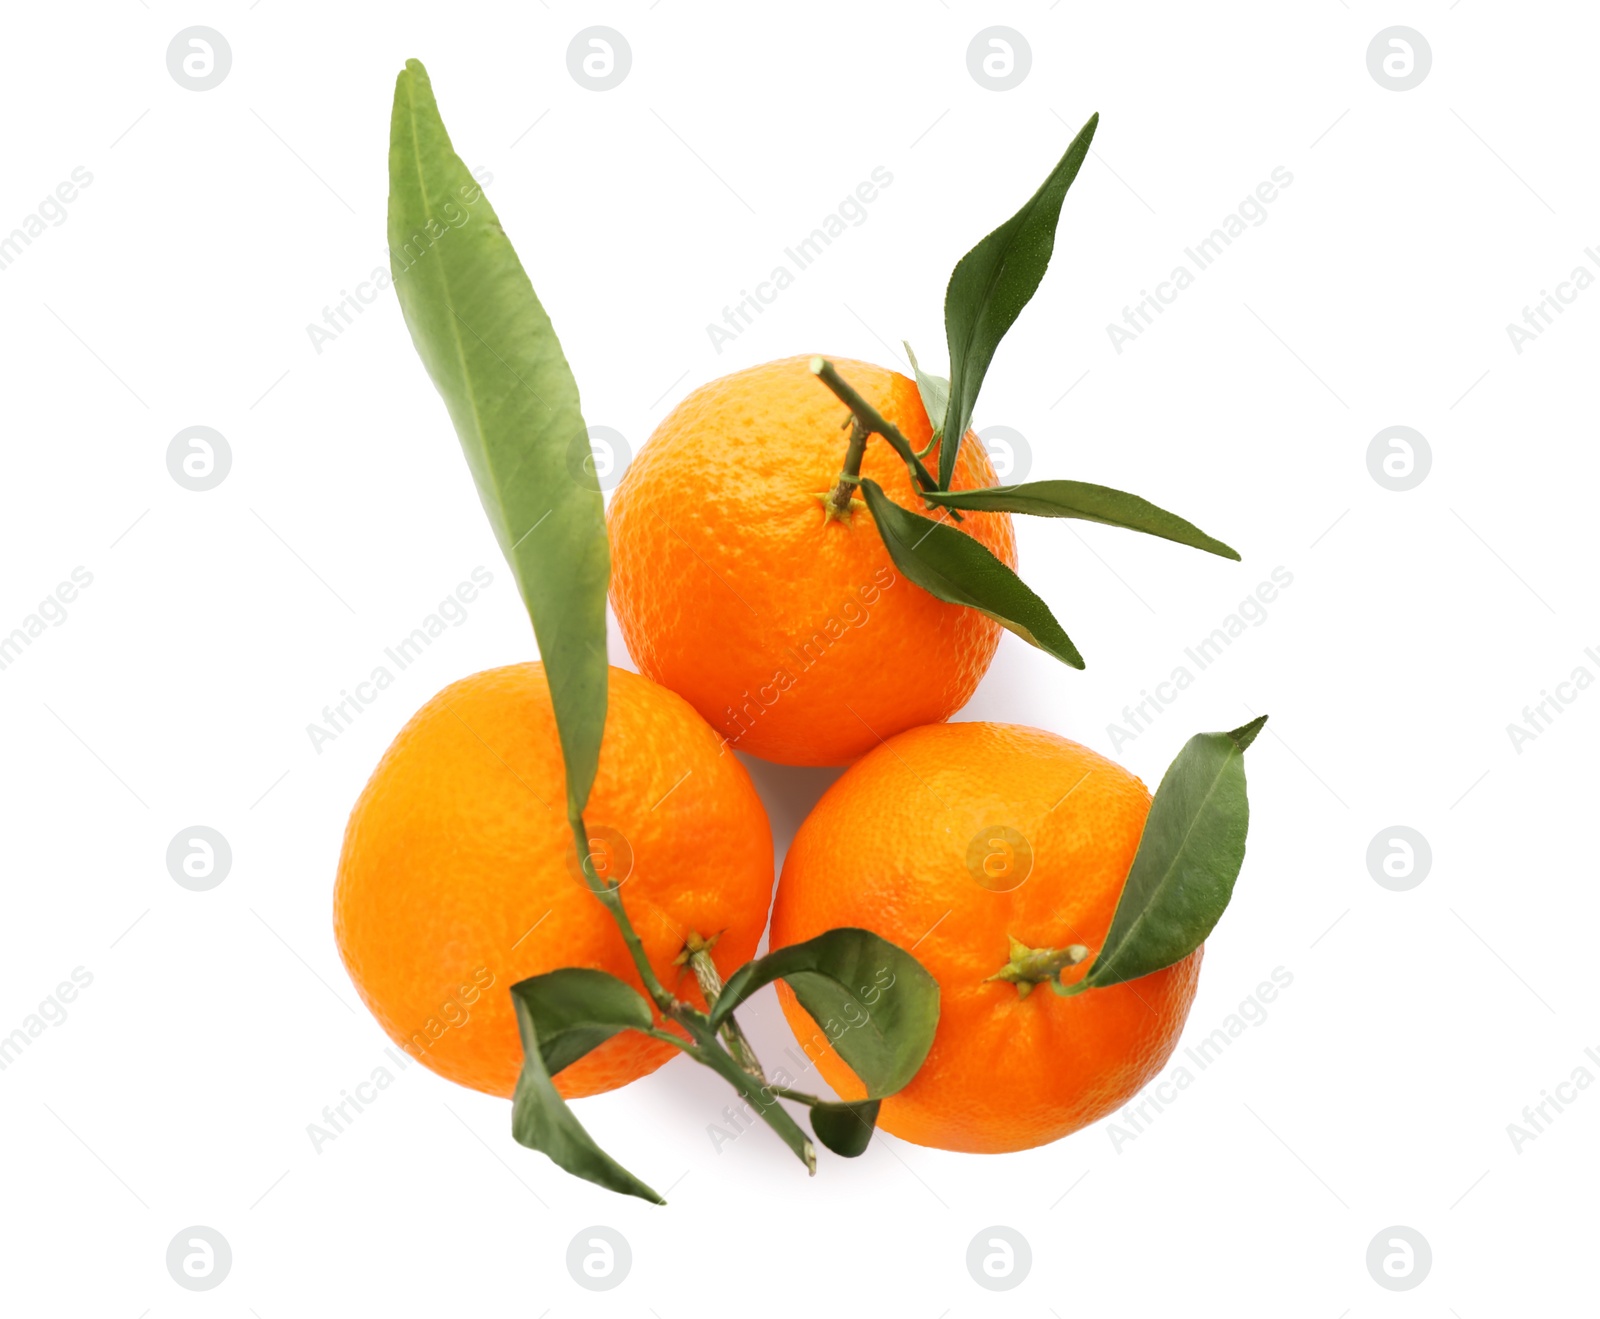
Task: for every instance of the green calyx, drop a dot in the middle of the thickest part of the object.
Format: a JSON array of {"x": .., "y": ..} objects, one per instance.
[
  {"x": 693, "y": 944},
  {"x": 1033, "y": 966},
  {"x": 833, "y": 511}
]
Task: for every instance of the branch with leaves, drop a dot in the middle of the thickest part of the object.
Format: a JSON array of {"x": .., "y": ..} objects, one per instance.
[
  {"x": 987, "y": 291},
  {"x": 493, "y": 355}
]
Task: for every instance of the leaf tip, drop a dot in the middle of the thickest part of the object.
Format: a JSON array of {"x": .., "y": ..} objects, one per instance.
[{"x": 1243, "y": 737}]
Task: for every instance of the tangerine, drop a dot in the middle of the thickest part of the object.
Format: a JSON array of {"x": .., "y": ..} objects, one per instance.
[
  {"x": 996, "y": 854},
  {"x": 791, "y": 632},
  {"x": 459, "y": 875}
]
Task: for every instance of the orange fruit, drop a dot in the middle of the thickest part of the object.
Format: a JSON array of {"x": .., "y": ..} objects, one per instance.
[
  {"x": 951, "y": 841},
  {"x": 459, "y": 875},
  {"x": 794, "y": 636}
]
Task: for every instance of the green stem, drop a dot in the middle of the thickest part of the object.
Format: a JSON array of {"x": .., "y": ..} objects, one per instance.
[
  {"x": 760, "y": 1096},
  {"x": 667, "y": 1037},
  {"x": 697, "y": 953},
  {"x": 612, "y": 901},
  {"x": 706, "y": 1049},
  {"x": 838, "y": 502},
  {"x": 870, "y": 419}
]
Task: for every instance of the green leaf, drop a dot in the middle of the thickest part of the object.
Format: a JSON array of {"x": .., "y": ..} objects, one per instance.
[
  {"x": 951, "y": 566},
  {"x": 874, "y": 1000},
  {"x": 488, "y": 346},
  {"x": 1189, "y": 857},
  {"x": 992, "y": 284},
  {"x": 1091, "y": 503},
  {"x": 580, "y": 1009},
  {"x": 845, "y": 1128},
  {"x": 576, "y": 1009},
  {"x": 935, "y": 391}
]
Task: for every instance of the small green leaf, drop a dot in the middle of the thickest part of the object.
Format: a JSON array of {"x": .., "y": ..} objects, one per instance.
[
  {"x": 577, "y": 1009},
  {"x": 581, "y": 1009},
  {"x": 993, "y": 283},
  {"x": 875, "y": 1002},
  {"x": 935, "y": 391},
  {"x": 845, "y": 1128},
  {"x": 1189, "y": 857},
  {"x": 951, "y": 566},
  {"x": 488, "y": 345},
  {"x": 1091, "y": 503}
]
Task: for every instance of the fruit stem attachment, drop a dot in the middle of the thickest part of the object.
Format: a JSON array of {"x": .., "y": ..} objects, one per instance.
[
  {"x": 872, "y": 422},
  {"x": 1033, "y": 966},
  {"x": 696, "y": 955},
  {"x": 706, "y": 1049},
  {"x": 836, "y": 504}
]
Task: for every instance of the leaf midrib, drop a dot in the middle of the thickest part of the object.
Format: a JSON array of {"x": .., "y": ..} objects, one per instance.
[
  {"x": 988, "y": 293},
  {"x": 967, "y": 600},
  {"x": 1138, "y": 921},
  {"x": 455, "y": 330}
]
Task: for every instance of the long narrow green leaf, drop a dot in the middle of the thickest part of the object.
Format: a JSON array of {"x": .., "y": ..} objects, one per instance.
[
  {"x": 1188, "y": 860},
  {"x": 876, "y": 1003},
  {"x": 992, "y": 284},
  {"x": 953, "y": 567},
  {"x": 1091, "y": 503},
  {"x": 491, "y": 352},
  {"x": 582, "y": 1010}
]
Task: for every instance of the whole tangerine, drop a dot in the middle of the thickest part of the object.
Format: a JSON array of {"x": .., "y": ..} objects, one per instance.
[
  {"x": 459, "y": 875},
  {"x": 791, "y": 632},
  {"x": 996, "y": 854}
]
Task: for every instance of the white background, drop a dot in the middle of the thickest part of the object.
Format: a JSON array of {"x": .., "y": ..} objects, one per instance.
[{"x": 219, "y": 224}]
